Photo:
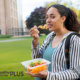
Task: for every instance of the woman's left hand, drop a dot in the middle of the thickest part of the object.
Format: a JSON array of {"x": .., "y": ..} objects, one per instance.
[{"x": 41, "y": 74}]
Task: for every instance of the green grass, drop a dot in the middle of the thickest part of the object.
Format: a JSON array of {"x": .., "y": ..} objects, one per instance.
[{"x": 11, "y": 54}]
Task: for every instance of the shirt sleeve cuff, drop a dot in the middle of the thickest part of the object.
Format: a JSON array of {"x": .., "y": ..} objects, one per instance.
[{"x": 48, "y": 76}]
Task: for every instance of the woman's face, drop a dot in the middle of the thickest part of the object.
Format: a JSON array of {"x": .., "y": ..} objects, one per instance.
[{"x": 53, "y": 19}]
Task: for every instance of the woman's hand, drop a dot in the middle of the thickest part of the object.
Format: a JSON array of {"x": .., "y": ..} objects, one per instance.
[
  {"x": 34, "y": 32},
  {"x": 41, "y": 74}
]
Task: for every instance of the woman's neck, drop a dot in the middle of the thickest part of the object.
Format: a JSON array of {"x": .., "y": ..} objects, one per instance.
[{"x": 62, "y": 32}]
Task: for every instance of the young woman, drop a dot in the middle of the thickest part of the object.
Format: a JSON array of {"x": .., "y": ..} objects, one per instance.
[{"x": 61, "y": 21}]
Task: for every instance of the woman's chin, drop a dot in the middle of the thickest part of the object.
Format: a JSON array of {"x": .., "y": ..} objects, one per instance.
[{"x": 51, "y": 29}]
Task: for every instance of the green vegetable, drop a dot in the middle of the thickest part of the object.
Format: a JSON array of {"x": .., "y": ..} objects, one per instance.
[
  {"x": 38, "y": 61},
  {"x": 32, "y": 64}
]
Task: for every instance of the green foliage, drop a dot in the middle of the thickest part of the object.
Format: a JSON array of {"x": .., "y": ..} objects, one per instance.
[
  {"x": 49, "y": 4},
  {"x": 44, "y": 31},
  {"x": 65, "y": 4},
  {"x": 47, "y": 31},
  {"x": 5, "y": 36},
  {"x": 78, "y": 19}
]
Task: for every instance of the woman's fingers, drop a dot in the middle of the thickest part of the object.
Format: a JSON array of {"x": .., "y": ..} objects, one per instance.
[
  {"x": 35, "y": 26},
  {"x": 41, "y": 74},
  {"x": 32, "y": 29},
  {"x": 32, "y": 75},
  {"x": 34, "y": 32},
  {"x": 26, "y": 72}
]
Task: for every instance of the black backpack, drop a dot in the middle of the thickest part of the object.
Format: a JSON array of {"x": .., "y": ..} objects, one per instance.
[{"x": 67, "y": 43}]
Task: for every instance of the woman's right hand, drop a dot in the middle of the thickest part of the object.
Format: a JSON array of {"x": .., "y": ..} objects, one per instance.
[{"x": 34, "y": 32}]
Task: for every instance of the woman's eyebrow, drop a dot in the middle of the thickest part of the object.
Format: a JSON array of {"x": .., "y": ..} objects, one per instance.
[{"x": 50, "y": 14}]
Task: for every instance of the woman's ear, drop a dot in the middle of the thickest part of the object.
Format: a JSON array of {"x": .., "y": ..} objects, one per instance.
[{"x": 63, "y": 19}]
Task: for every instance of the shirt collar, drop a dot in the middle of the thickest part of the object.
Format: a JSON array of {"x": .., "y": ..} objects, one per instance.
[{"x": 64, "y": 35}]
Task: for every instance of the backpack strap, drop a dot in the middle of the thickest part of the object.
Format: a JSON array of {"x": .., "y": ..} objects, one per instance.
[{"x": 67, "y": 43}]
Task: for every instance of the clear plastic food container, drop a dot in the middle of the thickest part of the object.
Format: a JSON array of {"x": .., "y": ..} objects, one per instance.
[{"x": 35, "y": 66}]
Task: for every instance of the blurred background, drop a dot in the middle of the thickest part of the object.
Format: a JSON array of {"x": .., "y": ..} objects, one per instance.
[{"x": 17, "y": 17}]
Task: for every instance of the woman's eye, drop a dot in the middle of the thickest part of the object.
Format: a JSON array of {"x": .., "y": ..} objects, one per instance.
[
  {"x": 52, "y": 17},
  {"x": 46, "y": 17}
]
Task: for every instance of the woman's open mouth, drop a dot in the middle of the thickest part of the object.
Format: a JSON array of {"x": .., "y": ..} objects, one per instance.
[{"x": 49, "y": 25}]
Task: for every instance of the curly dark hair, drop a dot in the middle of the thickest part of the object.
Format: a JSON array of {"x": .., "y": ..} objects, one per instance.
[{"x": 71, "y": 23}]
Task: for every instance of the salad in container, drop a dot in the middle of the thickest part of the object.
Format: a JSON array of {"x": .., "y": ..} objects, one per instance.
[{"x": 35, "y": 66}]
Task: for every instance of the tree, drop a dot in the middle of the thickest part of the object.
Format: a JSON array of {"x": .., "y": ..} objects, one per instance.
[{"x": 36, "y": 18}]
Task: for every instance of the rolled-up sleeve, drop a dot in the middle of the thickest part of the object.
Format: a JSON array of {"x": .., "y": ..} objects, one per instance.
[
  {"x": 38, "y": 52},
  {"x": 34, "y": 51},
  {"x": 72, "y": 72}
]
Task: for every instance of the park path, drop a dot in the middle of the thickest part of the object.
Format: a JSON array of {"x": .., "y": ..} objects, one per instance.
[{"x": 11, "y": 40}]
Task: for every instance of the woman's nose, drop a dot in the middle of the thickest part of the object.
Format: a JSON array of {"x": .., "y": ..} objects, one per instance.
[{"x": 48, "y": 20}]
